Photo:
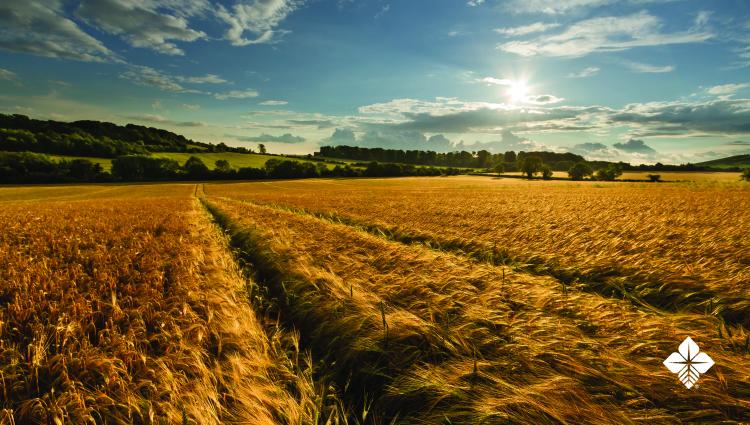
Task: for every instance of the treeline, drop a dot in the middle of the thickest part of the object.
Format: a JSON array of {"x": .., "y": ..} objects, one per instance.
[
  {"x": 20, "y": 133},
  {"x": 27, "y": 167},
  {"x": 508, "y": 161},
  {"x": 478, "y": 159}
]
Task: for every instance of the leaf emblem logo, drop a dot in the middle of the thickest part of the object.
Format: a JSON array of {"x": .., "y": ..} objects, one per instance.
[{"x": 688, "y": 363}]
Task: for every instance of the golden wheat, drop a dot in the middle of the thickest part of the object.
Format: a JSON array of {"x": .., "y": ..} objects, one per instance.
[
  {"x": 476, "y": 343},
  {"x": 130, "y": 309},
  {"x": 675, "y": 246}
]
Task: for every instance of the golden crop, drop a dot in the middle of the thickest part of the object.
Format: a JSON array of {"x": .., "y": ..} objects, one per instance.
[
  {"x": 671, "y": 246},
  {"x": 129, "y": 309},
  {"x": 457, "y": 300},
  {"x": 439, "y": 336}
]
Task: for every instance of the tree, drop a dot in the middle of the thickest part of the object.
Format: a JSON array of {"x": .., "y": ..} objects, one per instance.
[
  {"x": 530, "y": 165},
  {"x": 654, "y": 177},
  {"x": 140, "y": 167},
  {"x": 546, "y": 172},
  {"x": 509, "y": 156},
  {"x": 579, "y": 171},
  {"x": 222, "y": 166},
  {"x": 500, "y": 168},
  {"x": 195, "y": 168},
  {"x": 261, "y": 148},
  {"x": 746, "y": 174},
  {"x": 611, "y": 172}
]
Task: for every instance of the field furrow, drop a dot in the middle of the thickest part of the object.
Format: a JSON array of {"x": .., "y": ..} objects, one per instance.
[
  {"x": 676, "y": 247},
  {"x": 429, "y": 336},
  {"x": 130, "y": 309}
]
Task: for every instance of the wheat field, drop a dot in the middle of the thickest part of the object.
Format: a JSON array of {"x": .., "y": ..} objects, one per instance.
[{"x": 461, "y": 300}]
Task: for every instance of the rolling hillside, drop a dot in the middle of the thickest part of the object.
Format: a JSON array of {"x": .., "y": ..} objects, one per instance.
[{"x": 728, "y": 162}]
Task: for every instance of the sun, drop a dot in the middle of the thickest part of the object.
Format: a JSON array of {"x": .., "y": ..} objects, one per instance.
[{"x": 518, "y": 91}]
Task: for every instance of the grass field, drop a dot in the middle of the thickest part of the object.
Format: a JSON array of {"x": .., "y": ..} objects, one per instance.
[
  {"x": 457, "y": 300},
  {"x": 236, "y": 160}
]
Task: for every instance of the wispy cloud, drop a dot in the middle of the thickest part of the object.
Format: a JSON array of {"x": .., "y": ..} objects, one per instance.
[
  {"x": 259, "y": 18},
  {"x": 265, "y": 138},
  {"x": 206, "y": 79},
  {"x": 536, "y": 27},
  {"x": 40, "y": 28},
  {"x": 237, "y": 94},
  {"x": 11, "y": 76},
  {"x": 645, "y": 68},
  {"x": 140, "y": 24},
  {"x": 160, "y": 119},
  {"x": 727, "y": 89},
  {"x": 273, "y": 102},
  {"x": 558, "y": 7},
  {"x": 604, "y": 34},
  {"x": 383, "y": 11},
  {"x": 585, "y": 73}
]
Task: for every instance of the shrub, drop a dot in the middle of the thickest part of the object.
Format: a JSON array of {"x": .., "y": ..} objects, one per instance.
[{"x": 654, "y": 177}]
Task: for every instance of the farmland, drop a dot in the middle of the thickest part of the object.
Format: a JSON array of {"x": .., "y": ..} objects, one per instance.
[{"x": 456, "y": 300}]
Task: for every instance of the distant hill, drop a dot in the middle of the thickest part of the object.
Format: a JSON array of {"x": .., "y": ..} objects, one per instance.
[
  {"x": 741, "y": 161},
  {"x": 19, "y": 133}
]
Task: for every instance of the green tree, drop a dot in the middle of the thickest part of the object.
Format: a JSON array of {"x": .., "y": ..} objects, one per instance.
[
  {"x": 500, "y": 168},
  {"x": 222, "y": 166},
  {"x": 611, "y": 172},
  {"x": 580, "y": 171},
  {"x": 261, "y": 148},
  {"x": 546, "y": 172},
  {"x": 195, "y": 168},
  {"x": 530, "y": 165},
  {"x": 746, "y": 174}
]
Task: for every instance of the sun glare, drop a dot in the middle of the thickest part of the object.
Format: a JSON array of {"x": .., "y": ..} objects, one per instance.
[{"x": 518, "y": 91}]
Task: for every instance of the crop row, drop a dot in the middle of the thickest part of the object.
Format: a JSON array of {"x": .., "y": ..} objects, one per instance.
[
  {"x": 673, "y": 247},
  {"x": 130, "y": 310},
  {"x": 426, "y": 336}
]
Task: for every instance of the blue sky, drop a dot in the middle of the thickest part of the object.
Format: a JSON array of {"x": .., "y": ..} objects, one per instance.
[{"x": 637, "y": 80}]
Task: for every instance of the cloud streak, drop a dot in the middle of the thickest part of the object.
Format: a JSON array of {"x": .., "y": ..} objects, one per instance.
[
  {"x": 40, "y": 28},
  {"x": 604, "y": 34}
]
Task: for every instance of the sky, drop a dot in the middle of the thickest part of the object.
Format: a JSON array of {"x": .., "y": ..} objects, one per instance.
[{"x": 634, "y": 80}]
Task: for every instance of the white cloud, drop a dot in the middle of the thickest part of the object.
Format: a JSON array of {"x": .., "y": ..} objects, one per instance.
[
  {"x": 383, "y": 11},
  {"x": 147, "y": 76},
  {"x": 527, "y": 29},
  {"x": 139, "y": 23},
  {"x": 160, "y": 119},
  {"x": 237, "y": 94},
  {"x": 265, "y": 138},
  {"x": 258, "y": 17},
  {"x": 604, "y": 34},
  {"x": 38, "y": 27},
  {"x": 727, "y": 89},
  {"x": 645, "y": 68},
  {"x": 474, "y": 3},
  {"x": 497, "y": 81},
  {"x": 206, "y": 79},
  {"x": 556, "y": 7},
  {"x": 273, "y": 102},
  {"x": 9, "y": 76},
  {"x": 585, "y": 73}
]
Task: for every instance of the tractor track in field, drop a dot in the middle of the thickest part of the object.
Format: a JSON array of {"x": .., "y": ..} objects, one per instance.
[
  {"x": 645, "y": 294},
  {"x": 296, "y": 292}
]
